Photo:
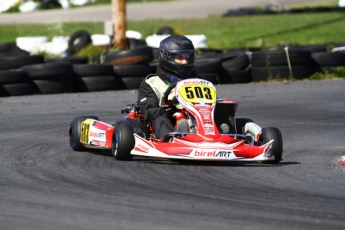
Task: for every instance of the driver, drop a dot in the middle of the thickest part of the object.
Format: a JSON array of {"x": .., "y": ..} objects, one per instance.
[{"x": 176, "y": 62}]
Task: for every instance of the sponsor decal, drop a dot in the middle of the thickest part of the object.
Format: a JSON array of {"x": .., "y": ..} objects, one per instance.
[
  {"x": 211, "y": 143},
  {"x": 144, "y": 148},
  {"x": 203, "y": 106},
  {"x": 203, "y": 82},
  {"x": 97, "y": 143},
  {"x": 100, "y": 135},
  {"x": 214, "y": 153},
  {"x": 209, "y": 131},
  {"x": 97, "y": 135},
  {"x": 203, "y": 110},
  {"x": 204, "y": 153},
  {"x": 225, "y": 154},
  {"x": 190, "y": 82},
  {"x": 206, "y": 116}
]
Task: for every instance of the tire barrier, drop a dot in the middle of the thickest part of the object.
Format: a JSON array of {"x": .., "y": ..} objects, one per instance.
[
  {"x": 71, "y": 59},
  {"x": 277, "y": 9},
  {"x": 15, "y": 62},
  {"x": 78, "y": 40},
  {"x": 97, "y": 77},
  {"x": 326, "y": 62},
  {"x": 25, "y": 74},
  {"x": 137, "y": 55},
  {"x": 275, "y": 64},
  {"x": 14, "y": 83},
  {"x": 51, "y": 78}
]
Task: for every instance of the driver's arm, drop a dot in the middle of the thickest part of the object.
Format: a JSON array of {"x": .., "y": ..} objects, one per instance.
[{"x": 148, "y": 103}]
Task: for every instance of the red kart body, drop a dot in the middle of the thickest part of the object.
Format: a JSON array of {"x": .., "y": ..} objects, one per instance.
[{"x": 197, "y": 104}]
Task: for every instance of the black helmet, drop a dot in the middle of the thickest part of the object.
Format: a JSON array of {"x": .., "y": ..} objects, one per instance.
[{"x": 177, "y": 47}]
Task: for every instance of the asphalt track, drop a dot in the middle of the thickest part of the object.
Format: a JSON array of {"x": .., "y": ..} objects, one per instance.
[
  {"x": 155, "y": 10},
  {"x": 44, "y": 184}
]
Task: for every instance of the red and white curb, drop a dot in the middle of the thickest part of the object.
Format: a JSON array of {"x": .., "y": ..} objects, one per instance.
[{"x": 342, "y": 159}]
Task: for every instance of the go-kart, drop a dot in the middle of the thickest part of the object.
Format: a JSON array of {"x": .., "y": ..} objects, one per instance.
[{"x": 213, "y": 133}]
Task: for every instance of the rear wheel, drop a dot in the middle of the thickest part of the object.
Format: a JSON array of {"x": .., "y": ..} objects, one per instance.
[
  {"x": 74, "y": 132},
  {"x": 123, "y": 142},
  {"x": 272, "y": 133}
]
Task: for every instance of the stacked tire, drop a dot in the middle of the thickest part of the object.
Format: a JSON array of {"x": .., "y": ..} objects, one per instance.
[
  {"x": 236, "y": 68},
  {"x": 275, "y": 65},
  {"x": 94, "y": 77},
  {"x": 209, "y": 69},
  {"x": 51, "y": 78},
  {"x": 327, "y": 62},
  {"x": 13, "y": 81},
  {"x": 131, "y": 66},
  {"x": 224, "y": 67}
]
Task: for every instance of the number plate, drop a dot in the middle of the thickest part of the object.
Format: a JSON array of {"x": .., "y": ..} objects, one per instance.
[{"x": 197, "y": 93}]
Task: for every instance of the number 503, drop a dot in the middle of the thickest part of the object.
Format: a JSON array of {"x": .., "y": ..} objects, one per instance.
[{"x": 198, "y": 92}]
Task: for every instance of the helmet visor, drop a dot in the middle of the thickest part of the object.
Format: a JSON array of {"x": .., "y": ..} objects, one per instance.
[{"x": 182, "y": 57}]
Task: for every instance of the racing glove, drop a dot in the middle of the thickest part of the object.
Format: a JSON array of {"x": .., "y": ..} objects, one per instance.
[{"x": 169, "y": 110}]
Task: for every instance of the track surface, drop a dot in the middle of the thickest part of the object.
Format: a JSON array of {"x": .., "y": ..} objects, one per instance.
[
  {"x": 153, "y": 10},
  {"x": 45, "y": 185}
]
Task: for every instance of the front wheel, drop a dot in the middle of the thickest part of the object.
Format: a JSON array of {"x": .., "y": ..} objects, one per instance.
[
  {"x": 123, "y": 142},
  {"x": 75, "y": 130},
  {"x": 272, "y": 133}
]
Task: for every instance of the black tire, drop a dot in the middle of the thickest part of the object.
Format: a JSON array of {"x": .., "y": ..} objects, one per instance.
[
  {"x": 17, "y": 89},
  {"x": 235, "y": 76},
  {"x": 329, "y": 58},
  {"x": 240, "y": 124},
  {"x": 71, "y": 59},
  {"x": 74, "y": 132},
  {"x": 137, "y": 55},
  {"x": 277, "y": 58},
  {"x": 50, "y": 4},
  {"x": 132, "y": 70},
  {"x": 279, "y": 72},
  {"x": 96, "y": 83},
  {"x": 134, "y": 43},
  {"x": 15, "y": 62},
  {"x": 212, "y": 77},
  {"x": 49, "y": 70},
  {"x": 13, "y": 76},
  {"x": 271, "y": 133},
  {"x": 129, "y": 82},
  {"x": 241, "y": 61},
  {"x": 311, "y": 48},
  {"x": 79, "y": 40},
  {"x": 123, "y": 142},
  {"x": 5, "y": 47},
  {"x": 165, "y": 30},
  {"x": 209, "y": 65},
  {"x": 228, "y": 55},
  {"x": 53, "y": 86},
  {"x": 15, "y": 52},
  {"x": 85, "y": 70}
]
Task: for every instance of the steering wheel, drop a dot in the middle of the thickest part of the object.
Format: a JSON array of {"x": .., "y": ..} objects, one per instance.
[{"x": 167, "y": 92}]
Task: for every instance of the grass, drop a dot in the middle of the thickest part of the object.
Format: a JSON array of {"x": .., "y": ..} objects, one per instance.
[
  {"x": 338, "y": 73},
  {"x": 264, "y": 31}
]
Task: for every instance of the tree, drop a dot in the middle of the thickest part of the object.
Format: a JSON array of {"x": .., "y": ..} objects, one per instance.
[{"x": 119, "y": 23}]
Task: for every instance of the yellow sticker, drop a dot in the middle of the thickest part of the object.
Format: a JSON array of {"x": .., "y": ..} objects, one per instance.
[
  {"x": 198, "y": 93},
  {"x": 85, "y": 130}
]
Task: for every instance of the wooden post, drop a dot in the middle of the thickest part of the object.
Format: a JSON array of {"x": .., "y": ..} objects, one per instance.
[{"x": 119, "y": 23}]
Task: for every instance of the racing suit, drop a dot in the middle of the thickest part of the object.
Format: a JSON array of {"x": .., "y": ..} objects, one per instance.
[{"x": 150, "y": 100}]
